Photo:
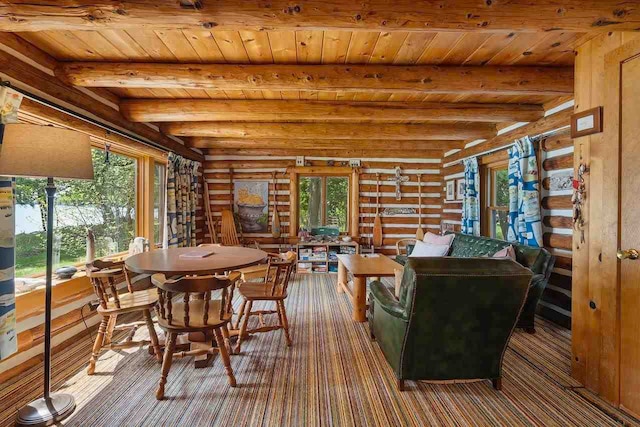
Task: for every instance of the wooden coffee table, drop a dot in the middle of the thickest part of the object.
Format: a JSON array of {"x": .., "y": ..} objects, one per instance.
[{"x": 362, "y": 266}]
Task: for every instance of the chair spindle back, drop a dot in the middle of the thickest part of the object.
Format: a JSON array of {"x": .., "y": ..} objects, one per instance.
[
  {"x": 193, "y": 288},
  {"x": 104, "y": 276}
]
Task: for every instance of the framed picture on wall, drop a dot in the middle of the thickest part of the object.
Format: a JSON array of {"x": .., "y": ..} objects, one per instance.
[
  {"x": 451, "y": 190},
  {"x": 252, "y": 205},
  {"x": 460, "y": 189}
]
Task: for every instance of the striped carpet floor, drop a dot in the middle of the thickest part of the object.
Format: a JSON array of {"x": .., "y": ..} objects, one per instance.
[{"x": 332, "y": 375}]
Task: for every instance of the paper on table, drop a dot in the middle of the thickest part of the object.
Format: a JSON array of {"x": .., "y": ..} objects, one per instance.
[{"x": 197, "y": 254}]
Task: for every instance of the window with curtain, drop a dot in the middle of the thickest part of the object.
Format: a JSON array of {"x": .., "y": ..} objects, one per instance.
[
  {"x": 496, "y": 200},
  {"x": 106, "y": 205},
  {"x": 324, "y": 200},
  {"x": 159, "y": 202}
]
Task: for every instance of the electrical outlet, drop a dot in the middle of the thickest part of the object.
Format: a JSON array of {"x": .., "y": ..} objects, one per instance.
[
  {"x": 354, "y": 163},
  {"x": 300, "y": 161}
]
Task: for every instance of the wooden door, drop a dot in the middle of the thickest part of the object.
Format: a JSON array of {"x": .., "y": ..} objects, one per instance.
[
  {"x": 623, "y": 105},
  {"x": 630, "y": 235}
]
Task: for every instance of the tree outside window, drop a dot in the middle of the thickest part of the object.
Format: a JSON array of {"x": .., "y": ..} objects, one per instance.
[
  {"x": 324, "y": 201},
  {"x": 106, "y": 205}
]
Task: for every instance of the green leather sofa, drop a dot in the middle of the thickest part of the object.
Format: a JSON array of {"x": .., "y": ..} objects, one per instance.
[
  {"x": 453, "y": 319},
  {"x": 538, "y": 260}
]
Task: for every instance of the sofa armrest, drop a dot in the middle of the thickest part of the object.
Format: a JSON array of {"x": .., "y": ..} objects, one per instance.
[{"x": 387, "y": 300}]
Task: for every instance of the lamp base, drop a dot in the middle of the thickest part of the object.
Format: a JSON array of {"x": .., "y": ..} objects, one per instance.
[{"x": 45, "y": 412}]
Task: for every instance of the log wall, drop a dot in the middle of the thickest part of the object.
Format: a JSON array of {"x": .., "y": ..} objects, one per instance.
[
  {"x": 556, "y": 166},
  {"x": 217, "y": 172}
]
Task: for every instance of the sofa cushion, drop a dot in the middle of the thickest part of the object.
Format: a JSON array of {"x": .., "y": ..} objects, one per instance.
[
  {"x": 507, "y": 252},
  {"x": 436, "y": 239},
  {"x": 427, "y": 250}
]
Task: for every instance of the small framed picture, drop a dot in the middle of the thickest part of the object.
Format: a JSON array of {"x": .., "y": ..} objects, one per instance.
[
  {"x": 451, "y": 190},
  {"x": 586, "y": 122},
  {"x": 460, "y": 189}
]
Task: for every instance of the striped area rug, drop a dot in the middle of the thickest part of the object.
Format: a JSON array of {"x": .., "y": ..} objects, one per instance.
[{"x": 333, "y": 375}]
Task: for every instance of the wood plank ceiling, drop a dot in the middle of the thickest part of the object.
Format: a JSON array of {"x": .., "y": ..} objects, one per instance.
[{"x": 329, "y": 47}]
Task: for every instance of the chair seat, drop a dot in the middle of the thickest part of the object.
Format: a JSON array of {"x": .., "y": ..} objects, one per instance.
[
  {"x": 133, "y": 301},
  {"x": 260, "y": 291},
  {"x": 253, "y": 272},
  {"x": 196, "y": 318}
]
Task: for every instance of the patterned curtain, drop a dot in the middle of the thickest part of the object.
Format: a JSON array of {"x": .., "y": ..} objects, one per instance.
[
  {"x": 525, "y": 225},
  {"x": 8, "y": 339},
  {"x": 182, "y": 199},
  {"x": 470, "y": 201}
]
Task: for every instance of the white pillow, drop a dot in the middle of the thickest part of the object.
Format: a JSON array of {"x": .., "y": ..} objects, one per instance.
[
  {"x": 435, "y": 239},
  {"x": 422, "y": 250}
]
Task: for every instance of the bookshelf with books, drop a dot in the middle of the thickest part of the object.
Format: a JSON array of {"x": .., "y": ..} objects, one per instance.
[{"x": 321, "y": 257}]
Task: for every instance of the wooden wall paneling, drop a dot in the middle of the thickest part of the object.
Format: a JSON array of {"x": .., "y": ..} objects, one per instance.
[{"x": 595, "y": 357}]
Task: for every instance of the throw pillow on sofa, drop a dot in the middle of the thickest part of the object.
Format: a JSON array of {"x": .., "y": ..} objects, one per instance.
[
  {"x": 422, "y": 250},
  {"x": 508, "y": 252},
  {"x": 436, "y": 239}
]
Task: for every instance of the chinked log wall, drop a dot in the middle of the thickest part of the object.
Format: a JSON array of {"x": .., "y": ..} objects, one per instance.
[
  {"x": 557, "y": 161},
  {"x": 217, "y": 173}
]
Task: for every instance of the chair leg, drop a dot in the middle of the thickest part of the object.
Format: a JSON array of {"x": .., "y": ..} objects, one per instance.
[
  {"x": 97, "y": 345},
  {"x": 497, "y": 383},
  {"x": 227, "y": 338},
  {"x": 243, "y": 329},
  {"x": 155, "y": 344},
  {"x": 166, "y": 363},
  {"x": 222, "y": 349},
  {"x": 283, "y": 321},
  {"x": 240, "y": 313},
  {"x": 401, "y": 385},
  {"x": 113, "y": 319}
]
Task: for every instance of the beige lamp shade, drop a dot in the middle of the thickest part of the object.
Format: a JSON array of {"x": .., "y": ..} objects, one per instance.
[{"x": 45, "y": 151}]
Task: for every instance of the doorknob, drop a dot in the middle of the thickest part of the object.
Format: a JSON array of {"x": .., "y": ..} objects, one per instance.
[{"x": 628, "y": 254}]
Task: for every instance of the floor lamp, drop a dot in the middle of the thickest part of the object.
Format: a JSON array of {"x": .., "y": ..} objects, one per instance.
[{"x": 46, "y": 152}]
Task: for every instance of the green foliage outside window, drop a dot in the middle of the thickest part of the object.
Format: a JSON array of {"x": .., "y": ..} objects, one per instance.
[
  {"x": 106, "y": 205},
  {"x": 337, "y": 199}
]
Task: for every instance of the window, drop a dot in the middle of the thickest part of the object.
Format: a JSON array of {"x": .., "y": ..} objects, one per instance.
[
  {"x": 496, "y": 201},
  {"x": 159, "y": 204},
  {"x": 324, "y": 200},
  {"x": 106, "y": 205}
]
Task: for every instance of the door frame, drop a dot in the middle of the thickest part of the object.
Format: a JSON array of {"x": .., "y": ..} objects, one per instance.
[{"x": 610, "y": 316}]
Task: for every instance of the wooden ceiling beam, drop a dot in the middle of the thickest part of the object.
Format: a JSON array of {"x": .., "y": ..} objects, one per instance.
[
  {"x": 323, "y": 144},
  {"x": 297, "y": 131},
  {"x": 335, "y": 153},
  {"x": 195, "y": 110},
  {"x": 375, "y": 15},
  {"x": 496, "y": 80},
  {"x": 546, "y": 124},
  {"x": 28, "y": 77}
]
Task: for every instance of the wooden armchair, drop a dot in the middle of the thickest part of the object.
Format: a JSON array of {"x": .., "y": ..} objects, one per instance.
[
  {"x": 274, "y": 288},
  {"x": 104, "y": 276},
  {"x": 197, "y": 312}
]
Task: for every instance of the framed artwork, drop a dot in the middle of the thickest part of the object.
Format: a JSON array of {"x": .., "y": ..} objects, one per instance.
[
  {"x": 460, "y": 189},
  {"x": 251, "y": 203},
  {"x": 586, "y": 122},
  {"x": 451, "y": 190}
]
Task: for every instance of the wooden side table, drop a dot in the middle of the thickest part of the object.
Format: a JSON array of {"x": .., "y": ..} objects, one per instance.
[{"x": 361, "y": 267}]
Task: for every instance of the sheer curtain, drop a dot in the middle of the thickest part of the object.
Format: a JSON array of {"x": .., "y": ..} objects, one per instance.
[
  {"x": 182, "y": 199},
  {"x": 471, "y": 199},
  {"x": 525, "y": 226}
]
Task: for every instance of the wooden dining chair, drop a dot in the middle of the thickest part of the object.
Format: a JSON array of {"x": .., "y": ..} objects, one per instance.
[
  {"x": 185, "y": 305},
  {"x": 105, "y": 276},
  {"x": 273, "y": 288}
]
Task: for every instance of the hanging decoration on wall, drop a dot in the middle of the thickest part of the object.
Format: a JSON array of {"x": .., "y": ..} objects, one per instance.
[
  {"x": 579, "y": 193},
  {"x": 561, "y": 182},
  {"x": 10, "y": 101},
  {"x": 398, "y": 180},
  {"x": 398, "y": 211}
]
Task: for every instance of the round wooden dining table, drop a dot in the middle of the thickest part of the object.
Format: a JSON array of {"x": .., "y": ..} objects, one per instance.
[{"x": 171, "y": 263}]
